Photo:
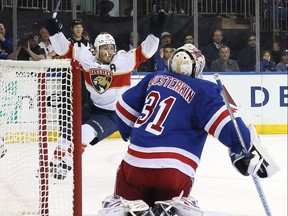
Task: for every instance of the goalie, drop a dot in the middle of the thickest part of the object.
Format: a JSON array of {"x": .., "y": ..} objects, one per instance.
[{"x": 167, "y": 118}]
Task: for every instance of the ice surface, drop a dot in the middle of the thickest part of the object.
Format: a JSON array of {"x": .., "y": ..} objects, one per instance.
[{"x": 219, "y": 188}]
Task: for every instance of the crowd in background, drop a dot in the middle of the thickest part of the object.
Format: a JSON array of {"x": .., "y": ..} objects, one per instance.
[{"x": 36, "y": 46}]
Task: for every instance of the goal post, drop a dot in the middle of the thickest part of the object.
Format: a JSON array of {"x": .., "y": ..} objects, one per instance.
[{"x": 39, "y": 101}]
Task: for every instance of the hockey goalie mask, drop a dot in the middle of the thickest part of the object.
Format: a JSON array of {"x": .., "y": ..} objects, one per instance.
[
  {"x": 103, "y": 39},
  {"x": 187, "y": 60}
]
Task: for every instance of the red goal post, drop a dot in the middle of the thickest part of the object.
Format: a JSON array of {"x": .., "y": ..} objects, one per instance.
[{"x": 39, "y": 101}]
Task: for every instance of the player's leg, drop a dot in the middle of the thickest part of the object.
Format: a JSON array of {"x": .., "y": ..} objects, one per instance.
[
  {"x": 98, "y": 127},
  {"x": 150, "y": 185},
  {"x": 101, "y": 125}
]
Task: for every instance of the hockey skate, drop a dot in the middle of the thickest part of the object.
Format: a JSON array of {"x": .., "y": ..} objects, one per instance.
[
  {"x": 2, "y": 148},
  {"x": 62, "y": 161},
  {"x": 60, "y": 170}
]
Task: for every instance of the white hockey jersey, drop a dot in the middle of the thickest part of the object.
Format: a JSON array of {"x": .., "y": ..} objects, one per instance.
[{"x": 106, "y": 82}]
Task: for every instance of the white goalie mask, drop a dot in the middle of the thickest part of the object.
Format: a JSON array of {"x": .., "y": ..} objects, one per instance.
[
  {"x": 187, "y": 60},
  {"x": 103, "y": 39}
]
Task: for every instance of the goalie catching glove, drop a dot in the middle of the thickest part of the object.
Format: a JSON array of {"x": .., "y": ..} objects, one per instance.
[
  {"x": 256, "y": 161},
  {"x": 157, "y": 23},
  {"x": 53, "y": 26}
]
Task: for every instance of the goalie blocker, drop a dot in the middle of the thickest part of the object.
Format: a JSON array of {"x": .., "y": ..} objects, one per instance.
[{"x": 256, "y": 161}]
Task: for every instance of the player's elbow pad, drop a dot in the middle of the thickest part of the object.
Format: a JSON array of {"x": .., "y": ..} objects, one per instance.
[{"x": 256, "y": 161}]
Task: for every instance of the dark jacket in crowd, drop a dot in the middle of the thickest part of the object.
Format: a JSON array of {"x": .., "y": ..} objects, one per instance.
[
  {"x": 211, "y": 53},
  {"x": 219, "y": 66},
  {"x": 267, "y": 66},
  {"x": 23, "y": 55},
  {"x": 246, "y": 59}
]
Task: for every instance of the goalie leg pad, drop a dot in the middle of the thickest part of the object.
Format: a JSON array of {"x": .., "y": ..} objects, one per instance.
[
  {"x": 184, "y": 206},
  {"x": 117, "y": 206},
  {"x": 268, "y": 167}
]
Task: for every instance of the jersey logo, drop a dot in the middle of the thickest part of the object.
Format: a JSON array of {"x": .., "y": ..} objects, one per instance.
[{"x": 101, "y": 79}]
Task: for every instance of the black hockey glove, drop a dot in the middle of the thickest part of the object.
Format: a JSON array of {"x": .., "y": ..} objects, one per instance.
[
  {"x": 157, "y": 23},
  {"x": 53, "y": 26}
]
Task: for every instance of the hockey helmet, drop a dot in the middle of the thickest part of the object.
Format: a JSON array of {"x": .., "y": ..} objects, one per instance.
[
  {"x": 103, "y": 39},
  {"x": 187, "y": 60}
]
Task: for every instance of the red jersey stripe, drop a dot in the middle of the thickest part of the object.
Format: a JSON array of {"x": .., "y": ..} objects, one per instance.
[
  {"x": 125, "y": 113},
  {"x": 168, "y": 155},
  {"x": 220, "y": 118}
]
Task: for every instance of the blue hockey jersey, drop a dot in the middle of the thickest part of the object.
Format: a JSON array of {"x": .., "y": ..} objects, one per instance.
[{"x": 168, "y": 118}]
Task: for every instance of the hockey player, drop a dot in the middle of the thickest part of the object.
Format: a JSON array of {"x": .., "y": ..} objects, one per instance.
[
  {"x": 166, "y": 118},
  {"x": 107, "y": 75}
]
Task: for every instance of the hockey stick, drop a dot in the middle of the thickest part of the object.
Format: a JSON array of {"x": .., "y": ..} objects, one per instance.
[
  {"x": 56, "y": 9},
  {"x": 254, "y": 176}
]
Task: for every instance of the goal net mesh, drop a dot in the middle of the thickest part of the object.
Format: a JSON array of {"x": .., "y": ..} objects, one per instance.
[{"x": 35, "y": 110}]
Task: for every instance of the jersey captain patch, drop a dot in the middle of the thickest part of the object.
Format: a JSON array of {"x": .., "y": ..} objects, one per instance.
[{"x": 101, "y": 79}]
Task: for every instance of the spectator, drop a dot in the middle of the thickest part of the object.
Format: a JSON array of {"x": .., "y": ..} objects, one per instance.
[
  {"x": 276, "y": 51},
  {"x": 165, "y": 54},
  {"x": 45, "y": 43},
  {"x": 211, "y": 52},
  {"x": 29, "y": 50},
  {"x": 189, "y": 39},
  {"x": 165, "y": 39},
  {"x": 246, "y": 58},
  {"x": 267, "y": 63},
  {"x": 130, "y": 46},
  {"x": 77, "y": 39},
  {"x": 283, "y": 65},
  {"x": 224, "y": 63},
  {"x": 6, "y": 44}
]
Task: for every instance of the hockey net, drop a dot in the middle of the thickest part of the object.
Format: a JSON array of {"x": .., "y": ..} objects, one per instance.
[{"x": 39, "y": 101}]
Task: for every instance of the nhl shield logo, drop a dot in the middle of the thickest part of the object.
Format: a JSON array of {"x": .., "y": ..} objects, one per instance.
[{"x": 101, "y": 79}]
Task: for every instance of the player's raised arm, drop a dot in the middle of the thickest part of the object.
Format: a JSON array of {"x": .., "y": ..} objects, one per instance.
[
  {"x": 157, "y": 23},
  {"x": 57, "y": 38}
]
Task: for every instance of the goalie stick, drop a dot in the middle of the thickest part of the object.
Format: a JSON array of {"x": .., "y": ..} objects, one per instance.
[
  {"x": 254, "y": 176},
  {"x": 56, "y": 9}
]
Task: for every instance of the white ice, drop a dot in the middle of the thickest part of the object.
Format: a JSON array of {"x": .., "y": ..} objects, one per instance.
[{"x": 219, "y": 188}]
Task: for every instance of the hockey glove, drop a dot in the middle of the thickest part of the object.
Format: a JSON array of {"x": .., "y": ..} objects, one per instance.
[
  {"x": 53, "y": 26},
  {"x": 256, "y": 161},
  {"x": 157, "y": 23},
  {"x": 247, "y": 164}
]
